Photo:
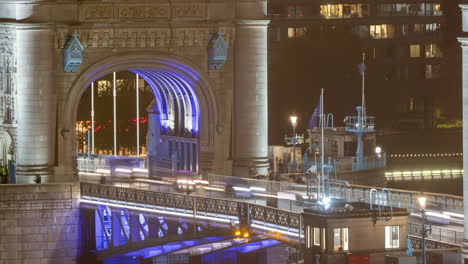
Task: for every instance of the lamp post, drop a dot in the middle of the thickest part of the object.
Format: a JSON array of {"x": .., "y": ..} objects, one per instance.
[
  {"x": 294, "y": 123},
  {"x": 422, "y": 204}
]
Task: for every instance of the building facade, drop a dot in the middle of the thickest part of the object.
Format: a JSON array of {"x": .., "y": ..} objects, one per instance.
[{"x": 402, "y": 42}]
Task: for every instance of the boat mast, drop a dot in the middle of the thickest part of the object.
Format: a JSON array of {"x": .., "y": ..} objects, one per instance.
[
  {"x": 322, "y": 161},
  {"x": 363, "y": 75}
]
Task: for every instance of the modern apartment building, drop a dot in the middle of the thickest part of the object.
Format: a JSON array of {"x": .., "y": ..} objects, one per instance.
[{"x": 404, "y": 46}]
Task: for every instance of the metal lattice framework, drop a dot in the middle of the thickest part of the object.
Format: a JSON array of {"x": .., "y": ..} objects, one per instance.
[
  {"x": 430, "y": 244},
  {"x": 263, "y": 217}
]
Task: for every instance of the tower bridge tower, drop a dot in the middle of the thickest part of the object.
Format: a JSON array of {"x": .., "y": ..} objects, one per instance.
[{"x": 217, "y": 49}]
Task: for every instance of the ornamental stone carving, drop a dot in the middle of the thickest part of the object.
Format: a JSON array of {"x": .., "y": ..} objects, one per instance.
[
  {"x": 7, "y": 76},
  {"x": 217, "y": 51},
  {"x": 96, "y": 12},
  {"x": 142, "y": 37},
  {"x": 142, "y": 11},
  {"x": 187, "y": 10},
  {"x": 72, "y": 54}
]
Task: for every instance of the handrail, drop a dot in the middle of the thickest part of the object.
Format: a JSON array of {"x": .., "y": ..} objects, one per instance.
[
  {"x": 197, "y": 206},
  {"x": 389, "y": 199},
  {"x": 371, "y": 191}
]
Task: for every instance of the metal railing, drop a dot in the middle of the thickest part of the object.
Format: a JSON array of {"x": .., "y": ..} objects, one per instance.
[
  {"x": 93, "y": 162},
  {"x": 439, "y": 234},
  {"x": 274, "y": 202},
  {"x": 263, "y": 217},
  {"x": 264, "y": 210},
  {"x": 371, "y": 162},
  {"x": 355, "y": 193}
]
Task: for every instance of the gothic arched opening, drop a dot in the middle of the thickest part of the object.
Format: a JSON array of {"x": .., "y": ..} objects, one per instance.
[{"x": 168, "y": 120}]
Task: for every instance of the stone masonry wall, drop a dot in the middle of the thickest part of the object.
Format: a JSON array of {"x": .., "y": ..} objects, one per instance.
[{"x": 39, "y": 223}]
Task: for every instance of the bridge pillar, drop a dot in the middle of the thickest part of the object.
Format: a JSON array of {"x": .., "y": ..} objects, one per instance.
[
  {"x": 36, "y": 104},
  {"x": 153, "y": 226},
  {"x": 250, "y": 96},
  {"x": 135, "y": 226},
  {"x": 116, "y": 228},
  {"x": 464, "y": 44}
]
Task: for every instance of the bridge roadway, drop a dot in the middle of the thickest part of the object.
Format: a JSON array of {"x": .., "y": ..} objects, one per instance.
[{"x": 448, "y": 232}]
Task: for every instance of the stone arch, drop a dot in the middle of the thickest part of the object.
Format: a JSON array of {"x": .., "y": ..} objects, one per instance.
[{"x": 163, "y": 62}]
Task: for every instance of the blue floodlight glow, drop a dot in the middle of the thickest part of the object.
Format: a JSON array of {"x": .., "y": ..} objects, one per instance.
[
  {"x": 173, "y": 94},
  {"x": 326, "y": 202},
  {"x": 170, "y": 247},
  {"x": 249, "y": 247}
]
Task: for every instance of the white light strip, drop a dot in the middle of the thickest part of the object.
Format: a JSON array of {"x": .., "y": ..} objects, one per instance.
[
  {"x": 185, "y": 182},
  {"x": 242, "y": 189},
  {"x": 137, "y": 86},
  {"x": 443, "y": 216},
  {"x": 123, "y": 170},
  {"x": 154, "y": 181},
  {"x": 260, "y": 189},
  {"x": 105, "y": 171},
  {"x": 140, "y": 170},
  {"x": 88, "y": 173},
  {"x": 114, "y": 96},
  {"x": 200, "y": 181},
  {"x": 155, "y": 211},
  {"x": 454, "y": 214},
  {"x": 213, "y": 188},
  {"x": 92, "y": 117},
  {"x": 265, "y": 195},
  {"x": 275, "y": 230}
]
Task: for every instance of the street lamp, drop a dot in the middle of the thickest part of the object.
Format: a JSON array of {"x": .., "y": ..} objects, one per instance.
[
  {"x": 294, "y": 123},
  {"x": 378, "y": 150},
  {"x": 422, "y": 203}
]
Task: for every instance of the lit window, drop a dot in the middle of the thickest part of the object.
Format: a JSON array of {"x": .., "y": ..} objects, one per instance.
[
  {"x": 316, "y": 236},
  {"x": 104, "y": 87},
  {"x": 340, "y": 239},
  {"x": 331, "y": 11},
  {"x": 297, "y": 32},
  {"x": 324, "y": 237},
  {"x": 432, "y": 51},
  {"x": 382, "y": 31},
  {"x": 437, "y": 10},
  {"x": 415, "y": 51},
  {"x": 392, "y": 236},
  {"x": 301, "y": 32},
  {"x": 432, "y": 27},
  {"x": 343, "y": 11},
  {"x": 291, "y": 32},
  {"x": 308, "y": 231}
]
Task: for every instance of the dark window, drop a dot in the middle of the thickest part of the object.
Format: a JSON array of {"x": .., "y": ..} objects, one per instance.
[{"x": 350, "y": 148}]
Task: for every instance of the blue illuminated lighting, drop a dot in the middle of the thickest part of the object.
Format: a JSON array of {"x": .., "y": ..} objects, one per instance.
[
  {"x": 173, "y": 91},
  {"x": 170, "y": 247},
  {"x": 246, "y": 248},
  {"x": 103, "y": 227}
]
